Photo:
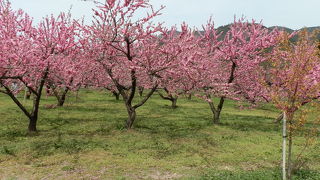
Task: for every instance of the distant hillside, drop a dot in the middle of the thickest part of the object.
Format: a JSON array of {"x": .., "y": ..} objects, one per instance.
[
  {"x": 224, "y": 29},
  {"x": 309, "y": 29}
]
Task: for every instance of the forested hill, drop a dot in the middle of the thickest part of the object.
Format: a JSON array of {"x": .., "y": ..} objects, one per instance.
[{"x": 225, "y": 28}]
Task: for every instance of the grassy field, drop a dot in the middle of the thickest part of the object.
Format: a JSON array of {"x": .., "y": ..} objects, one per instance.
[{"x": 86, "y": 140}]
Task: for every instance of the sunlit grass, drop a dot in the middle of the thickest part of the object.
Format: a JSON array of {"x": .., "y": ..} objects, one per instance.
[{"x": 86, "y": 138}]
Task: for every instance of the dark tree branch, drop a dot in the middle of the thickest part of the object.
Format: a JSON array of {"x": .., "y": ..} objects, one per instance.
[
  {"x": 30, "y": 88},
  {"x": 146, "y": 97},
  {"x": 133, "y": 86},
  {"x": 4, "y": 92},
  {"x": 10, "y": 77},
  {"x": 15, "y": 100}
]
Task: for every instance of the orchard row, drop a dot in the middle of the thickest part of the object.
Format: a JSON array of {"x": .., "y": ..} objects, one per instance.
[{"x": 126, "y": 53}]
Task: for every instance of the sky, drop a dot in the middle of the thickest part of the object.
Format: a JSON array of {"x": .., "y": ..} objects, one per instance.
[{"x": 294, "y": 14}]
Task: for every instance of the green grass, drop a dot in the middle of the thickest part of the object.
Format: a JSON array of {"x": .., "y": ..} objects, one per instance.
[{"x": 87, "y": 139}]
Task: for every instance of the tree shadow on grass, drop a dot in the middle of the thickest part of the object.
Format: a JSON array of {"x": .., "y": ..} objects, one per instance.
[
  {"x": 89, "y": 108},
  {"x": 261, "y": 174},
  {"x": 177, "y": 128},
  {"x": 249, "y": 123},
  {"x": 70, "y": 146},
  {"x": 12, "y": 134}
]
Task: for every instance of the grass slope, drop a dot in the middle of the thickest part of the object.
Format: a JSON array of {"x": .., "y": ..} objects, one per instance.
[{"x": 86, "y": 140}]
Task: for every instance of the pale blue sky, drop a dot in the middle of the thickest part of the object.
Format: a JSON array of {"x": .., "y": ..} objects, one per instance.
[{"x": 294, "y": 14}]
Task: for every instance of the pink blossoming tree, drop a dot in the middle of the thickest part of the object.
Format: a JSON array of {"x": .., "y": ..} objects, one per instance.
[
  {"x": 129, "y": 50},
  {"x": 29, "y": 54},
  {"x": 233, "y": 63}
]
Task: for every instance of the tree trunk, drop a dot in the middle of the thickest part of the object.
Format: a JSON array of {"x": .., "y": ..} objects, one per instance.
[
  {"x": 140, "y": 91},
  {"x": 284, "y": 143},
  {"x": 77, "y": 95},
  {"x": 216, "y": 116},
  {"x": 189, "y": 96},
  {"x": 129, "y": 94},
  {"x": 35, "y": 111},
  {"x": 62, "y": 99},
  {"x": 131, "y": 116},
  {"x": 27, "y": 94},
  {"x": 33, "y": 123},
  {"x": 289, "y": 116},
  {"x": 219, "y": 109},
  {"x": 290, "y": 156},
  {"x": 48, "y": 91},
  {"x": 169, "y": 97},
  {"x": 36, "y": 102},
  {"x": 33, "y": 116},
  {"x": 174, "y": 102},
  {"x": 116, "y": 94},
  {"x": 216, "y": 112}
]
